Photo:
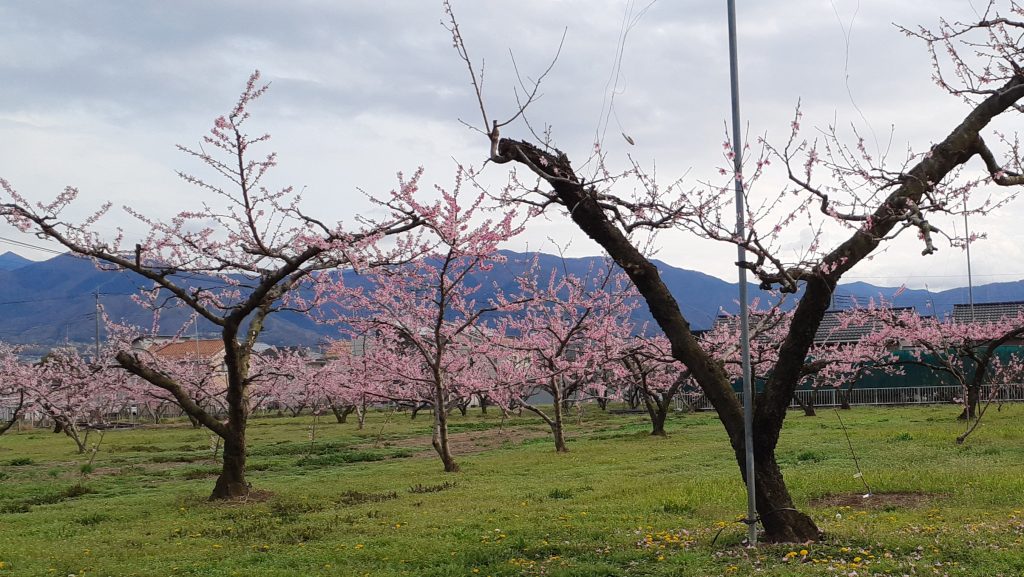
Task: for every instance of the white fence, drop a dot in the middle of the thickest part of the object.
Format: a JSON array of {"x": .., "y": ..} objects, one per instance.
[{"x": 879, "y": 396}]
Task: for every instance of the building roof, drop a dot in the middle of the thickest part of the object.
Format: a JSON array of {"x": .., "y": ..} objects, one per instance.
[
  {"x": 830, "y": 331},
  {"x": 338, "y": 350},
  {"x": 986, "y": 312},
  {"x": 203, "y": 348}
]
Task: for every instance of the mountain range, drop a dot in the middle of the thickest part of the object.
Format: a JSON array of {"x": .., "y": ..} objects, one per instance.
[{"x": 54, "y": 301}]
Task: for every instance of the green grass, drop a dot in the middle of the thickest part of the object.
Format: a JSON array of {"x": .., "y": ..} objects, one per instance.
[{"x": 376, "y": 502}]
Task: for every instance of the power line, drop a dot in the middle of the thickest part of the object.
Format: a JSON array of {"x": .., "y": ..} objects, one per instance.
[{"x": 29, "y": 245}]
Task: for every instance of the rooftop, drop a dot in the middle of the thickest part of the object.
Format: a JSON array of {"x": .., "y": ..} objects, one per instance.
[{"x": 986, "y": 312}]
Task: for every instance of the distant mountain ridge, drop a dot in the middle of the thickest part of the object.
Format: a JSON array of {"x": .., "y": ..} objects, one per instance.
[
  {"x": 12, "y": 261},
  {"x": 54, "y": 301}
]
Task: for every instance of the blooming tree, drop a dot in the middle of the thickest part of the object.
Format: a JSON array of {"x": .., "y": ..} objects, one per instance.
[
  {"x": 647, "y": 367},
  {"x": 569, "y": 331},
  {"x": 867, "y": 199},
  {"x": 250, "y": 246},
  {"x": 968, "y": 352},
  {"x": 14, "y": 379},
  {"x": 77, "y": 395},
  {"x": 422, "y": 323},
  {"x": 830, "y": 362}
]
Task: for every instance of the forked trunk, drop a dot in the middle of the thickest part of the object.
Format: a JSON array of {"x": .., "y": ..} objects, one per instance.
[
  {"x": 231, "y": 482},
  {"x": 341, "y": 413}
]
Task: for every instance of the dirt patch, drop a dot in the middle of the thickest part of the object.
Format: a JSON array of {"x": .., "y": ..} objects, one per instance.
[
  {"x": 875, "y": 501},
  {"x": 467, "y": 442}
]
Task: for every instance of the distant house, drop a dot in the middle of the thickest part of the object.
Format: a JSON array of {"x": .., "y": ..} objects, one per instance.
[
  {"x": 207, "y": 349},
  {"x": 208, "y": 352},
  {"x": 832, "y": 330},
  {"x": 987, "y": 312}
]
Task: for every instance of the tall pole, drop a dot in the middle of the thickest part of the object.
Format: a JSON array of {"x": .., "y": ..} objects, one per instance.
[
  {"x": 97, "y": 337},
  {"x": 970, "y": 279},
  {"x": 748, "y": 385}
]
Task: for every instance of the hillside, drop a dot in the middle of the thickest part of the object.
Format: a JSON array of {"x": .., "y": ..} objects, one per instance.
[{"x": 52, "y": 301}]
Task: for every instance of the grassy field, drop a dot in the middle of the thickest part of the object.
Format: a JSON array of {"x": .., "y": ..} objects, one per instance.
[{"x": 375, "y": 502}]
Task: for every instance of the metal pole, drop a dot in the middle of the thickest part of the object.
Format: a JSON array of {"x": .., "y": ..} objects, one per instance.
[
  {"x": 748, "y": 385},
  {"x": 970, "y": 279},
  {"x": 97, "y": 340}
]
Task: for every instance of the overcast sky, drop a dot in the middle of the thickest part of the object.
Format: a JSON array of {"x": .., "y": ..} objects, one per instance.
[{"x": 96, "y": 94}]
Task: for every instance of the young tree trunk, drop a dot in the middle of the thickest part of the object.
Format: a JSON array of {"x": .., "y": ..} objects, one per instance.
[
  {"x": 360, "y": 416},
  {"x": 807, "y": 406},
  {"x": 14, "y": 415},
  {"x": 484, "y": 401},
  {"x": 416, "y": 409},
  {"x": 971, "y": 409},
  {"x": 557, "y": 428},
  {"x": 439, "y": 440},
  {"x": 231, "y": 482},
  {"x": 658, "y": 412}
]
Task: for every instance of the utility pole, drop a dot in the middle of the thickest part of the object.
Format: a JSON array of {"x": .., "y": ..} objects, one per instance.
[{"x": 748, "y": 385}]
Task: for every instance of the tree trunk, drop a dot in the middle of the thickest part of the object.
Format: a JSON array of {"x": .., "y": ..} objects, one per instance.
[
  {"x": 557, "y": 428},
  {"x": 440, "y": 441},
  {"x": 807, "y": 406},
  {"x": 231, "y": 482},
  {"x": 782, "y": 522},
  {"x": 973, "y": 399},
  {"x": 484, "y": 401},
  {"x": 360, "y": 416},
  {"x": 657, "y": 412},
  {"x": 341, "y": 413}
]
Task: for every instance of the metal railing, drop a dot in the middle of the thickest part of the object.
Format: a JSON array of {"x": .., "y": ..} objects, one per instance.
[{"x": 876, "y": 396}]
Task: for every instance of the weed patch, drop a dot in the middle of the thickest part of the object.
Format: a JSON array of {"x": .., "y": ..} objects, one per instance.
[{"x": 418, "y": 488}]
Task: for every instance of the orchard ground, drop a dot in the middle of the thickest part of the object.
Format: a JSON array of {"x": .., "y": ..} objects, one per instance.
[{"x": 375, "y": 502}]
